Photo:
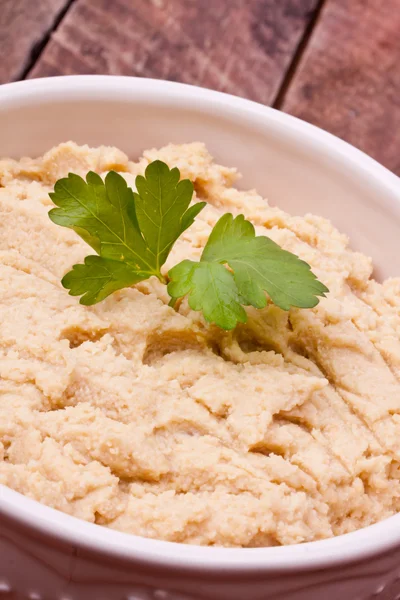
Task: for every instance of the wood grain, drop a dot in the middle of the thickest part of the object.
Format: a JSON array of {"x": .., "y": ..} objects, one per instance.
[
  {"x": 348, "y": 81},
  {"x": 24, "y": 24},
  {"x": 240, "y": 46}
]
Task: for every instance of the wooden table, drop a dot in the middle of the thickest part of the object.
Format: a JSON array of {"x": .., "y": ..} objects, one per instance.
[{"x": 335, "y": 63}]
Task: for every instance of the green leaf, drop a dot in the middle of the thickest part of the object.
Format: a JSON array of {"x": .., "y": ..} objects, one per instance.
[
  {"x": 103, "y": 214},
  {"x": 99, "y": 277},
  {"x": 257, "y": 266},
  {"x": 211, "y": 289},
  {"x": 132, "y": 233},
  {"x": 162, "y": 208},
  {"x": 260, "y": 265}
]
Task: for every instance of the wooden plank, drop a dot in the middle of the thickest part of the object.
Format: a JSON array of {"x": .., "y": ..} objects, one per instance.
[
  {"x": 240, "y": 46},
  {"x": 348, "y": 80},
  {"x": 24, "y": 25}
]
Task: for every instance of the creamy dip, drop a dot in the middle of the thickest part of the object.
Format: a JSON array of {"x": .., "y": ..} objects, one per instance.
[{"x": 150, "y": 421}]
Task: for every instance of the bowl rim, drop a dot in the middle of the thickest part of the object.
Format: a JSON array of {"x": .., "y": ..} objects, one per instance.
[{"x": 352, "y": 547}]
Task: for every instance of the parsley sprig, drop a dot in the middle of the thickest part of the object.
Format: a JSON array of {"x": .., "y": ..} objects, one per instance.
[{"x": 133, "y": 233}]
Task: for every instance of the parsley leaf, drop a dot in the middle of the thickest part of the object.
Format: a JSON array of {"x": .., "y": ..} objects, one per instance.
[
  {"x": 162, "y": 211},
  {"x": 99, "y": 277},
  {"x": 103, "y": 214},
  {"x": 132, "y": 233},
  {"x": 257, "y": 265},
  {"x": 211, "y": 288}
]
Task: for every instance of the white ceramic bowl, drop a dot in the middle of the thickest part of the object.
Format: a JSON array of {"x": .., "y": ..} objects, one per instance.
[{"x": 47, "y": 555}]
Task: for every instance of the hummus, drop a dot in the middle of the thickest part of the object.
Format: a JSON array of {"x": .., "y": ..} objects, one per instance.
[{"x": 149, "y": 421}]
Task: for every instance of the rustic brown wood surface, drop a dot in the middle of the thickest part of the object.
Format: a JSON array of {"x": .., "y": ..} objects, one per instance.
[
  {"x": 348, "y": 81},
  {"x": 24, "y": 26},
  {"x": 331, "y": 62},
  {"x": 239, "y": 46}
]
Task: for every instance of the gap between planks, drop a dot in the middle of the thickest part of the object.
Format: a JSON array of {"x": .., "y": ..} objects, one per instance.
[
  {"x": 298, "y": 55},
  {"x": 39, "y": 48}
]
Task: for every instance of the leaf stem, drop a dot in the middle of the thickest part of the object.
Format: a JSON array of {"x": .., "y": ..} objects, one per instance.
[{"x": 172, "y": 302}]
